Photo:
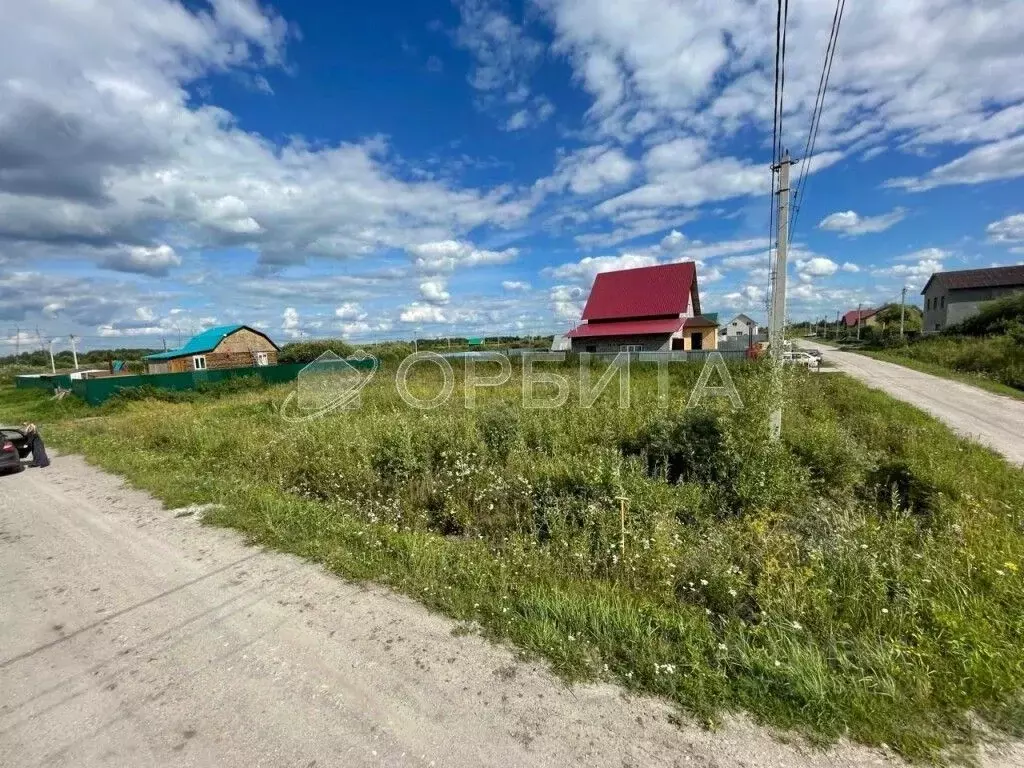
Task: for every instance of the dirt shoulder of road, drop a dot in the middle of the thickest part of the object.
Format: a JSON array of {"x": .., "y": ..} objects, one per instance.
[{"x": 133, "y": 635}]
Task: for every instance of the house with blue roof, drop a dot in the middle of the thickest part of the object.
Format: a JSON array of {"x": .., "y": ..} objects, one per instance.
[{"x": 225, "y": 346}]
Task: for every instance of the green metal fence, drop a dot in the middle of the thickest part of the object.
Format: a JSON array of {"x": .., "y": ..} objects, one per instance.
[
  {"x": 98, "y": 391},
  {"x": 46, "y": 381}
]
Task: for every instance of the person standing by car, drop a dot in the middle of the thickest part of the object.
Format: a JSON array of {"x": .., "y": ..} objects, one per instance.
[{"x": 35, "y": 444}]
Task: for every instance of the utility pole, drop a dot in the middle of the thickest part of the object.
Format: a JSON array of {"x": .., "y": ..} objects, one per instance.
[
  {"x": 837, "y": 323},
  {"x": 53, "y": 366},
  {"x": 778, "y": 305},
  {"x": 17, "y": 341},
  {"x": 778, "y": 314},
  {"x": 903, "y": 308},
  {"x": 858, "y": 320},
  {"x": 74, "y": 351}
]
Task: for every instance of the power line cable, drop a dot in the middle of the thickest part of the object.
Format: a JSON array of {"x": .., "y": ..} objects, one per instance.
[
  {"x": 776, "y": 135},
  {"x": 819, "y": 104}
]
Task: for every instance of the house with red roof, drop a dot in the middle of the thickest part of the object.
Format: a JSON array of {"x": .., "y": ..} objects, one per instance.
[
  {"x": 648, "y": 309},
  {"x": 867, "y": 317}
]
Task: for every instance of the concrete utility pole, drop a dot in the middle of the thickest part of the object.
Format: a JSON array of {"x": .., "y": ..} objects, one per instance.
[
  {"x": 53, "y": 366},
  {"x": 776, "y": 330},
  {"x": 778, "y": 306},
  {"x": 837, "y": 323},
  {"x": 17, "y": 341},
  {"x": 858, "y": 320},
  {"x": 903, "y": 308},
  {"x": 74, "y": 351}
]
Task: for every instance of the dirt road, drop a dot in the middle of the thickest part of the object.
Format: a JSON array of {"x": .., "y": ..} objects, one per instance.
[
  {"x": 132, "y": 636},
  {"x": 992, "y": 420}
]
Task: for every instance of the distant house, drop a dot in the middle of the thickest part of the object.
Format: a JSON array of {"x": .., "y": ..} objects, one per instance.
[
  {"x": 649, "y": 309},
  {"x": 868, "y": 317},
  {"x": 226, "y": 346},
  {"x": 740, "y": 326},
  {"x": 951, "y": 297}
]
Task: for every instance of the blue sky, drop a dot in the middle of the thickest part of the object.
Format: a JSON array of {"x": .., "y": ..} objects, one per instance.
[{"x": 379, "y": 170}]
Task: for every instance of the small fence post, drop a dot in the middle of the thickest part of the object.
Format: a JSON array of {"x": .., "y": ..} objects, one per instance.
[{"x": 622, "y": 524}]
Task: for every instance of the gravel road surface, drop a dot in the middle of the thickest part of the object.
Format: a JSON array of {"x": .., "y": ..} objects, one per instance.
[
  {"x": 132, "y": 636},
  {"x": 993, "y": 420}
]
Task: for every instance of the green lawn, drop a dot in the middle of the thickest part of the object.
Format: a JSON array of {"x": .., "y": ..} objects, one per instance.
[{"x": 862, "y": 578}]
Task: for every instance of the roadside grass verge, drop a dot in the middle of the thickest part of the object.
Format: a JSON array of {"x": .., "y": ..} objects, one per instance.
[
  {"x": 39, "y": 406},
  {"x": 976, "y": 379},
  {"x": 861, "y": 578}
]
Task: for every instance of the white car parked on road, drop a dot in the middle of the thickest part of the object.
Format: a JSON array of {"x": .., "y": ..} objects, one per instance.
[{"x": 801, "y": 358}]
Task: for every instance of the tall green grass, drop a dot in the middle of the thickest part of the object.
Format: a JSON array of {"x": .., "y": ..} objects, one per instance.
[
  {"x": 996, "y": 359},
  {"x": 860, "y": 578}
]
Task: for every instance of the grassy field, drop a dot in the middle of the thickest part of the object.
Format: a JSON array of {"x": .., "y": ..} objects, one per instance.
[{"x": 861, "y": 578}]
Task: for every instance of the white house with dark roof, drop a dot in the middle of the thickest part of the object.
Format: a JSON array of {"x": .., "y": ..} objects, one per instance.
[{"x": 741, "y": 326}]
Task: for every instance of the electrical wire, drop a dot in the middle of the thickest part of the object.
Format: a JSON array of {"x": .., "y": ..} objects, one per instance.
[
  {"x": 819, "y": 104},
  {"x": 776, "y": 137}
]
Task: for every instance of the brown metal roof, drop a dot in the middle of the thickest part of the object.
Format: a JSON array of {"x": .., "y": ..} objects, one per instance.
[
  {"x": 699, "y": 321},
  {"x": 993, "y": 277}
]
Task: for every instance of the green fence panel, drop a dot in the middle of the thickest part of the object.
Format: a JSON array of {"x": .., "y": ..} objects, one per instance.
[
  {"x": 98, "y": 391},
  {"x": 47, "y": 381}
]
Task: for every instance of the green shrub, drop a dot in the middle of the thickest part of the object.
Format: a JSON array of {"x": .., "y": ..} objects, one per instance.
[
  {"x": 308, "y": 351},
  {"x": 1002, "y": 316}
]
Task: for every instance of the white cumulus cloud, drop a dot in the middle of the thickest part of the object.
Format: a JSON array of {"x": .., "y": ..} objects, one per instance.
[{"x": 851, "y": 223}]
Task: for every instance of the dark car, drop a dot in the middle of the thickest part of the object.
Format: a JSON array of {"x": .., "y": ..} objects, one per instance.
[
  {"x": 12, "y": 443},
  {"x": 17, "y": 436}
]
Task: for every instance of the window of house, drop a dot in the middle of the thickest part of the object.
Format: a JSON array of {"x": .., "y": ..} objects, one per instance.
[
  {"x": 591, "y": 348},
  {"x": 942, "y": 302},
  {"x": 199, "y": 363},
  {"x": 261, "y": 358},
  {"x": 631, "y": 348}
]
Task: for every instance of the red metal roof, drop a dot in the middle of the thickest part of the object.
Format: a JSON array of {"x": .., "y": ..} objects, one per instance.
[
  {"x": 626, "y": 328},
  {"x": 993, "y": 277},
  {"x": 850, "y": 318},
  {"x": 643, "y": 292}
]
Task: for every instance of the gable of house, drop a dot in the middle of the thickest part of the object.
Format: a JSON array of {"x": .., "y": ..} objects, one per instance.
[{"x": 669, "y": 290}]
